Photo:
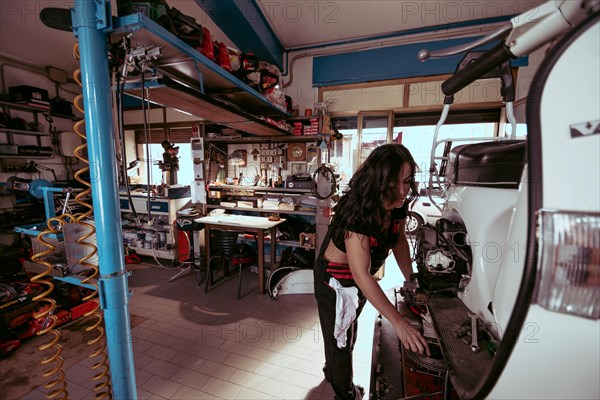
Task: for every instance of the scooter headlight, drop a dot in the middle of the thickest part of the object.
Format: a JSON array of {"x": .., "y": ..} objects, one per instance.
[{"x": 569, "y": 262}]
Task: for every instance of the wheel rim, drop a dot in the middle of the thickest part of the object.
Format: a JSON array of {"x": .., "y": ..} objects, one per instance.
[{"x": 412, "y": 223}]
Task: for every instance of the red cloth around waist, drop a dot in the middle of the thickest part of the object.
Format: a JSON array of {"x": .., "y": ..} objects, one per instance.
[{"x": 338, "y": 270}]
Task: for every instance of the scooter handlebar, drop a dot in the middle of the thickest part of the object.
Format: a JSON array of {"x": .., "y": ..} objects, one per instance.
[{"x": 476, "y": 69}]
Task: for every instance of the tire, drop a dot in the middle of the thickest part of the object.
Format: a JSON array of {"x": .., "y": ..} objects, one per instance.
[
  {"x": 413, "y": 223},
  {"x": 273, "y": 284}
]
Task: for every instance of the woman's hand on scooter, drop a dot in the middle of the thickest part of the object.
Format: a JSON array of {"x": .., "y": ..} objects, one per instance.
[{"x": 410, "y": 337}]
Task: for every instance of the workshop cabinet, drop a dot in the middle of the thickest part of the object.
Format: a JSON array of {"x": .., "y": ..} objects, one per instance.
[{"x": 154, "y": 236}]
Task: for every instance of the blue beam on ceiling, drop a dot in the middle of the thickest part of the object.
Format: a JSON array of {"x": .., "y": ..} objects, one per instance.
[
  {"x": 406, "y": 32},
  {"x": 392, "y": 62},
  {"x": 245, "y": 25}
]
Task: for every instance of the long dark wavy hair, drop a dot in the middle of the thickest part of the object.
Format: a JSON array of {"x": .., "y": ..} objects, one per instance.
[{"x": 372, "y": 187}]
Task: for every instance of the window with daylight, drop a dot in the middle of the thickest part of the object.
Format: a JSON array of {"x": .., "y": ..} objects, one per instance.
[
  {"x": 185, "y": 174},
  {"x": 416, "y": 132},
  {"x": 149, "y": 156}
]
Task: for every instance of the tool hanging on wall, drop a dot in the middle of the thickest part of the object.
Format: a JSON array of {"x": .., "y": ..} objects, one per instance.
[
  {"x": 214, "y": 153},
  {"x": 199, "y": 184},
  {"x": 325, "y": 182}
]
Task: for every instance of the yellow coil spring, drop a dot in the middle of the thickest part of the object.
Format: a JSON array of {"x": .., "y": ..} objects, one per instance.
[
  {"x": 56, "y": 384},
  {"x": 103, "y": 387}
]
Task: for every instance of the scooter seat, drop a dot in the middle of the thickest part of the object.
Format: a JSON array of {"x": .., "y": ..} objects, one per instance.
[{"x": 496, "y": 164}]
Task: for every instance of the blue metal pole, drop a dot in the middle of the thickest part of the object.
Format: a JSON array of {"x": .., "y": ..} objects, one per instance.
[{"x": 89, "y": 18}]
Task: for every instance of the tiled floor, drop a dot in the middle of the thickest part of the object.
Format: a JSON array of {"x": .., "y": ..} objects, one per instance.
[{"x": 196, "y": 345}]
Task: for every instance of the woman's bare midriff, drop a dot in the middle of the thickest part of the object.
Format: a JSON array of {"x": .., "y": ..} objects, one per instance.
[{"x": 333, "y": 254}]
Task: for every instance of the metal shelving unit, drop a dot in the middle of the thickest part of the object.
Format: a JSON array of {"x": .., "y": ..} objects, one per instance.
[
  {"x": 10, "y": 133},
  {"x": 192, "y": 83}
]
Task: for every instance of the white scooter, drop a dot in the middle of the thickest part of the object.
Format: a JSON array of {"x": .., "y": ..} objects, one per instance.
[{"x": 515, "y": 258}]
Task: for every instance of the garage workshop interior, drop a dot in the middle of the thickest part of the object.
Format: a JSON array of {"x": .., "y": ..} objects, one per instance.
[{"x": 169, "y": 170}]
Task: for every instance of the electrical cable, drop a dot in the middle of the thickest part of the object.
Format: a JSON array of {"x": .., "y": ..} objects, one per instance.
[
  {"x": 147, "y": 139},
  {"x": 44, "y": 168},
  {"x": 119, "y": 54},
  {"x": 158, "y": 262},
  {"x": 451, "y": 245},
  {"x": 148, "y": 166},
  {"x": 61, "y": 86},
  {"x": 55, "y": 140},
  {"x": 56, "y": 375},
  {"x": 121, "y": 133}
]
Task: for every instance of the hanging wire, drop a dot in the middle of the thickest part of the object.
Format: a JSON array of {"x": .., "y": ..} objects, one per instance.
[{"x": 55, "y": 374}]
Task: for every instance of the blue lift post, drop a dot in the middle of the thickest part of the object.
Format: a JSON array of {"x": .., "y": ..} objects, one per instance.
[{"x": 91, "y": 18}]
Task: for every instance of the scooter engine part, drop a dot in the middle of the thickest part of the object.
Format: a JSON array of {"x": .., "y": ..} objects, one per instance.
[{"x": 439, "y": 261}]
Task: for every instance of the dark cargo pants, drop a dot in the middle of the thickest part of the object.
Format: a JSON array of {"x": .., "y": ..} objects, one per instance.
[{"x": 338, "y": 362}]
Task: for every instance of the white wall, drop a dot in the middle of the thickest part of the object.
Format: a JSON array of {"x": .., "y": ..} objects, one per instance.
[{"x": 300, "y": 89}]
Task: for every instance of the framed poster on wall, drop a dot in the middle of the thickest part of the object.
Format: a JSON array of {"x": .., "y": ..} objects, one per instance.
[{"x": 298, "y": 168}]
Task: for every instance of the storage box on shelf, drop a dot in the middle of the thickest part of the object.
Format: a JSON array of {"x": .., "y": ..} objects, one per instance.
[
  {"x": 306, "y": 126},
  {"x": 30, "y": 95}
]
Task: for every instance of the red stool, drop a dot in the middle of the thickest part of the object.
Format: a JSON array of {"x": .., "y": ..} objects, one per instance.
[{"x": 188, "y": 226}]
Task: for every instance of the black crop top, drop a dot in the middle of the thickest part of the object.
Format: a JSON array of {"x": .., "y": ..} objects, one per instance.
[{"x": 379, "y": 251}]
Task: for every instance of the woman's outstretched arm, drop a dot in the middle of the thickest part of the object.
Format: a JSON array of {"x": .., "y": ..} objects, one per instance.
[{"x": 357, "y": 249}]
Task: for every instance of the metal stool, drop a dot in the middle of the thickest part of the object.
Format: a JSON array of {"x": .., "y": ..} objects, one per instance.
[
  {"x": 225, "y": 247},
  {"x": 188, "y": 226}
]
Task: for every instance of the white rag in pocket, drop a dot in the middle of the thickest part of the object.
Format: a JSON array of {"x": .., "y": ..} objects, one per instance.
[{"x": 346, "y": 303}]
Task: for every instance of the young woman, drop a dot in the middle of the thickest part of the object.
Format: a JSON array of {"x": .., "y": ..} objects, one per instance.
[{"x": 368, "y": 222}]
